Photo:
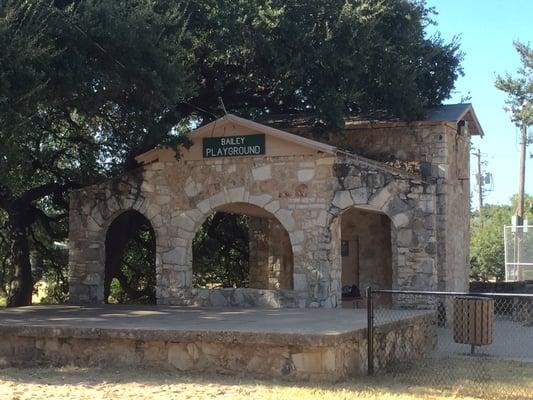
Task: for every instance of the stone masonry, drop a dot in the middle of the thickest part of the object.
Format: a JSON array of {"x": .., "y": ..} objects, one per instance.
[
  {"x": 304, "y": 188},
  {"x": 289, "y": 344},
  {"x": 270, "y": 255},
  {"x": 446, "y": 148},
  {"x": 307, "y": 194}
]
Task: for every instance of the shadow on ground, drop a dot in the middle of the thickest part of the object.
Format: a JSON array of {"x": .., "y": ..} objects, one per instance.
[{"x": 437, "y": 379}]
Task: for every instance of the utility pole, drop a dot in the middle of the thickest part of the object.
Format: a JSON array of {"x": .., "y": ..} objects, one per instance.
[
  {"x": 482, "y": 179},
  {"x": 520, "y": 205},
  {"x": 522, "y": 175},
  {"x": 480, "y": 186}
]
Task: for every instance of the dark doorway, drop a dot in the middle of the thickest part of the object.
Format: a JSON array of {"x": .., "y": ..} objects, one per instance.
[
  {"x": 130, "y": 276},
  {"x": 366, "y": 251}
]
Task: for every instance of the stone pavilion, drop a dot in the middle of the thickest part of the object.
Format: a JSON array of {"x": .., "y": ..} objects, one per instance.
[{"x": 386, "y": 204}]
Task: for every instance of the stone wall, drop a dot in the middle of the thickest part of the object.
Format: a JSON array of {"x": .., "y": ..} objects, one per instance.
[
  {"x": 305, "y": 194},
  {"x": 409, "y": 203},
  {"x": 270, "y": 260},
  {"x": 406, "y": 340},
  {"x": 177, "y": 197},
  {"x": 316, "y": 363},
  {"x": 447, "y": 149},
  {"x": 521, "y": 308},
  {"x": 525, "y": 287},
  {"x": 455, "y": 220},
  {"x": 288, "y": 357}
]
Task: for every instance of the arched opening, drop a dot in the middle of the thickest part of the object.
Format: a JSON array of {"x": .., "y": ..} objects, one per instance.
[
  {"x": 242, "y": 246},
  {"x": 130, "y": 245},
  {"x": 366, "y": 252}
]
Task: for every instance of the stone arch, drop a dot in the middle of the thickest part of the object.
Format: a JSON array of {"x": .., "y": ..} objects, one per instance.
[
  {"x": 240, "y": 195},
  {"x": 185, "y": 224},
  {"x": 107, "y": 212},
  {"x": 269, "y": 246},
  {"x": 410, "y": 211},
  {"x": 190, "y": 221},
  {"x": 92, "y": 212},
  {"x": 115, "y": 245},
  {"x": 386, "y": 200},
  {"x": 368, "y": 255}
]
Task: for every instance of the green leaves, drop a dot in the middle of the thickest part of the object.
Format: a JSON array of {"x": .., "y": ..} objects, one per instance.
[
  {"x": 85, "y": 86},
  {"x": 486, "y": 241},
  {"x": 221, "y": 252},
  {"x": 519, "y": 90},
  {"x": 330, "y": 58}
]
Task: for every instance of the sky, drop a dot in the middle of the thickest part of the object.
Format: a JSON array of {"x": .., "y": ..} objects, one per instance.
[{"x": 487, "y": 29}]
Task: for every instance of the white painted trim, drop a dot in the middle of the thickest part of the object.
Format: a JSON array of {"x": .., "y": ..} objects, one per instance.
[
  {"x": 290, "y": 137},
  {"x": 153, "y": 154},
  {"x": 470, "y": 109}
]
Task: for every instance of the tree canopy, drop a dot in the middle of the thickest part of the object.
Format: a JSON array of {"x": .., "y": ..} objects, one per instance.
[
  {"x": 329, "y": 58},
  {"x": 519, "y": 89},
  {"x": 87, "y": 85},
  {"x": 73, "y": 111},
  {"x": 487, "y": 255}
]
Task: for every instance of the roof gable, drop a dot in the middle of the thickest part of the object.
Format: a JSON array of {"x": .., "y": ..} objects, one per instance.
[
  {"x": 456, "y": 113},
  {"x": 232, "y": 120},
  {"x": 277, "y": 142}
]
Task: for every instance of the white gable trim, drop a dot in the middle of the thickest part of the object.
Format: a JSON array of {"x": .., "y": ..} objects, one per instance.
[
  {"x": 166, "y": 154},
  {"x": 470, "y": 110},
  {"x": 289, "y": 137}
]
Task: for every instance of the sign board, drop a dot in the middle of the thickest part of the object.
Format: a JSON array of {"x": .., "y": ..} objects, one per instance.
[
  {"x": 345, "y": 248},
  {"x": 234, "y": 146}
]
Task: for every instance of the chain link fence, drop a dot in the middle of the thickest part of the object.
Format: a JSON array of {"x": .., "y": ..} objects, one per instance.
[{"x": 476, "y": 344}]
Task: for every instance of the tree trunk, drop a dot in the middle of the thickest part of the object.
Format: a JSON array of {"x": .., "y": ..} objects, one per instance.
[{"x": 22, "y": 284}]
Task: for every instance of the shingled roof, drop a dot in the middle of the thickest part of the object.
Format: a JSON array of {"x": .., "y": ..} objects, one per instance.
[{"x": 456, "y": 113}]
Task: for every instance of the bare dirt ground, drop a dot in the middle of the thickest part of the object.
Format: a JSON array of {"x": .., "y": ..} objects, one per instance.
[{"x": 515, "y": 382}]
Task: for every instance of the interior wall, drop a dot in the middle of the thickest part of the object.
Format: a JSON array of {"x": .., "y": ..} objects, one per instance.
[
  {"x": 271, "y": 260},
  {"x": 367, "y": 260}
]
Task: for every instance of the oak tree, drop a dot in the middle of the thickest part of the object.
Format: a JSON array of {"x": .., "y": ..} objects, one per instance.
[{"x": 87, "y": 85}]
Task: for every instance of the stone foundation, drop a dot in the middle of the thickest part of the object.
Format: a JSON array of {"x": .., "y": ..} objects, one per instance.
[
  {"x": 326, "y": 363},
  {"x": 406, "y": 340},
  {"x": 288, "y": 345}
]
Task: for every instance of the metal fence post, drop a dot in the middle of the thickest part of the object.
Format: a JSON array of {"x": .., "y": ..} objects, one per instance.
[{"x": 370, "y": 330}]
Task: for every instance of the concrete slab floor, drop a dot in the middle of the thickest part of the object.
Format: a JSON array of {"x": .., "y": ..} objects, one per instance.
[
  {"x": 162, "y": 321},
  {"x": 311, "y": 321}
]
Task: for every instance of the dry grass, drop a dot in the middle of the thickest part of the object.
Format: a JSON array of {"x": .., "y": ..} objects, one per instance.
[{"x": 515, "y": 382}]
